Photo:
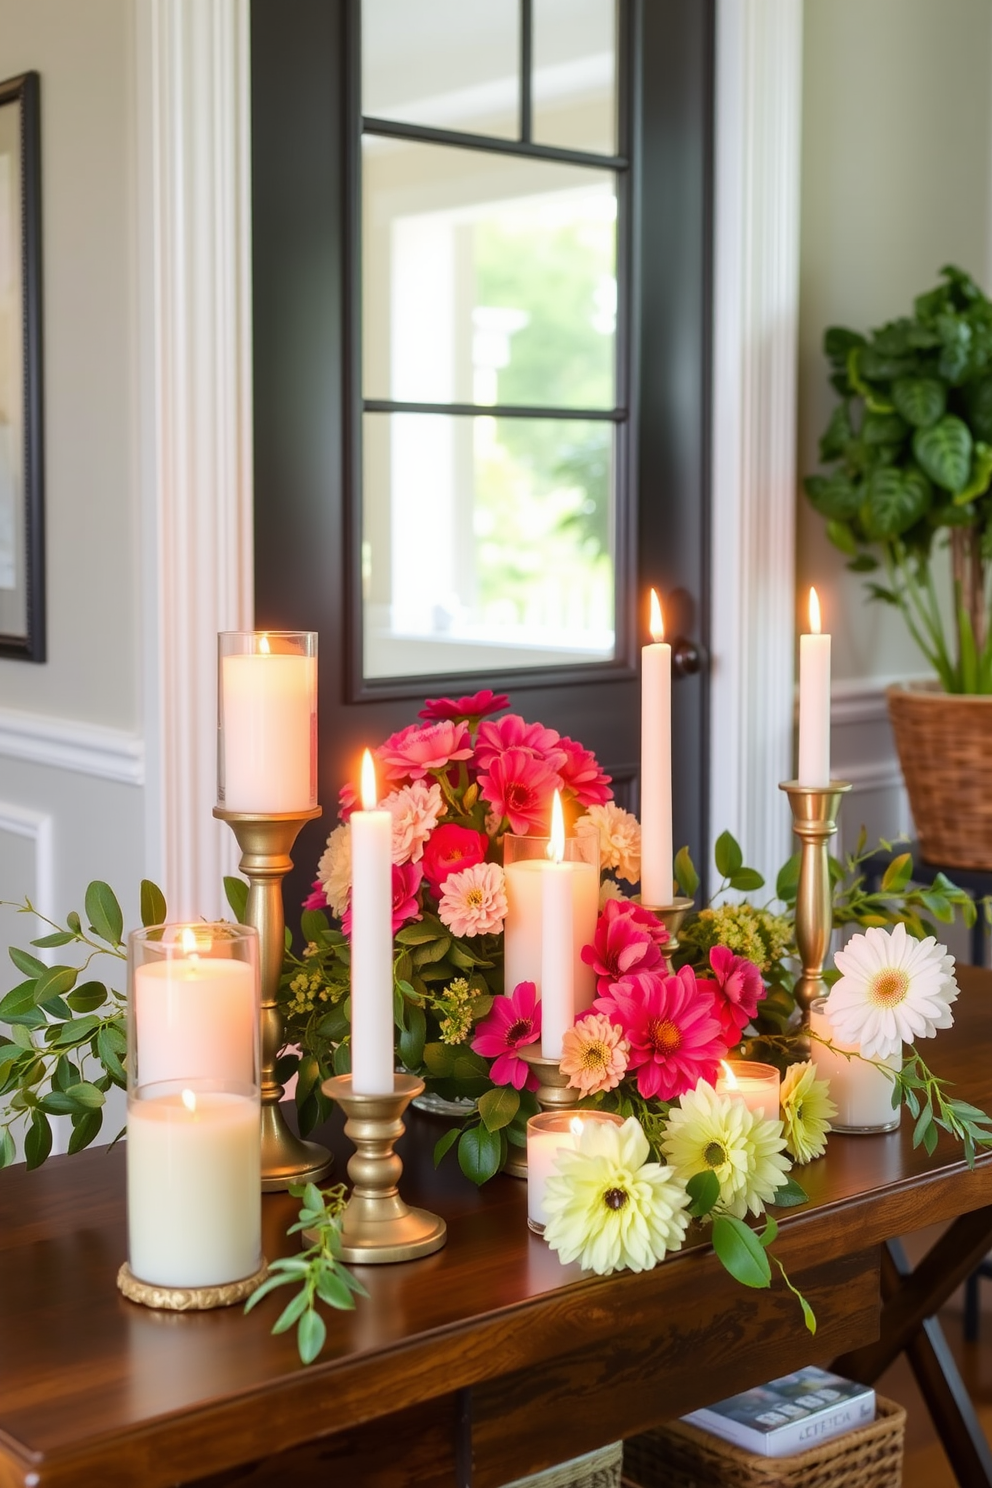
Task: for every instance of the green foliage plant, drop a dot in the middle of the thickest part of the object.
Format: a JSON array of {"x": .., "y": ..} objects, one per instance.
[{"x": 909, "y": 456}]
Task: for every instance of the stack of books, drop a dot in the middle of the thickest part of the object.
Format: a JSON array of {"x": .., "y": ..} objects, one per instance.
[{"x": 790, "y": 1414}]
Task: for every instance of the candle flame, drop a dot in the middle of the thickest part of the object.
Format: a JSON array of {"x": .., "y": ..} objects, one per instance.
[
  {"x": 556, "y": 847},
  {"x": 729, "y": 1076},
  {"x": 657, "y": 626},
  {"x": 263, "y": 646},
  {"x": 188, "y": 941},
  {"x": 814, "y": 612},
  {"x": 575, "y": 1127},
  {"x": 370, "y": 793},
  {"x": 189, "y": 1100}
]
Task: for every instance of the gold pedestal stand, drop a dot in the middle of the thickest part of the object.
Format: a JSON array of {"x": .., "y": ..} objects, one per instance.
[
  {"x": 266, "y": 842},
  {"x": 377, "y": 1225},
  {"x": 671, "y": 916},
  {"x": 554, "y": 1093},
  {"x": 188, "y": 1299},
  {"x": 814, "y": 821}
]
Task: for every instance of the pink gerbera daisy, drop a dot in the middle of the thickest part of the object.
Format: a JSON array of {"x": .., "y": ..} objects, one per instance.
[
  {"x": 519, "y": 786},
  {"x": 628, "y": 939},
  {"x": 512, "y": 1023},
  {"x": 739, "y": 989},
  {"x": 582, "y": 774},
  {"x": 474, "y": 707},
  {"x": 415, "y": 750},
  {"x": 671, "y": 1025},
  {"x": 594, "y": 1054}
]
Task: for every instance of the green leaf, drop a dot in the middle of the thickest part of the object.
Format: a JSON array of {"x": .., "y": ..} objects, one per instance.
[
  {"x": 310, "y": 1336},
  {"x": 104, "y": 913},
  {"x": 342, "y": 1059},
  {"x": 86, "y": 1096},
  {"x": 37, "y": 1140},
  {"x": 896, "y": 500},
  {"x": 944, "y": 452},
  {"x": 57, "y": 938},
  {"x": 833, "y": 496},
  {"x": 740, "y": 1251},
  {"x": 728, "y": 856},
  {"x": 236, "y": 893},
  {"x": 685, "y": 873},
  {"x": 787, "y": 883},
  {"x": 29, "y": 965},
  {"x": 704, "y": 1191},
  {"x": 884, "y": 428},
  {"x": 897, "y": 874},
  {"x": 435, "y": 950},
  {"x": 76, "y": 1031},
  {"x": 154, "y": 910},
  {"x": 745, "y": 879},
  {"x": 410, "y": 1043},
  {"x": 19, "y": 1000},
  {"x": 444, "y": 1144},
  {"x": 479, "y": 1153},
  {"x": 55, "y": 981},
  {"x": 87, "y": 997},
  {"x": 499, "y": 1106},
  {"x": 842, "y": 537},
  {"x": 292, "y": 1312},
  {"x": 333, "y": 1289},
  {"x": 8, "y": 1152},
  {"x": 920, "y": 400},
  {"x": 420, "y": 932},
  {"x": 440, "y": 1060},
  {"x": 789, "y": 1195}
]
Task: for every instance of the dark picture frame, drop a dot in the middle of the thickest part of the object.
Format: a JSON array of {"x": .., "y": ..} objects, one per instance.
[{"x": 22, "y": 536}]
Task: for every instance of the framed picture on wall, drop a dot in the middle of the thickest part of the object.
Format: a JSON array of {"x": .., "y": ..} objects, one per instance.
[{"x": 22, "y": 545}]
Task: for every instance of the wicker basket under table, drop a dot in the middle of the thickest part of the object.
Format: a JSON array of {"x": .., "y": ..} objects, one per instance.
[
  {"x": 598, "y": 1469},
  {"x": 681, "y": 1456}
]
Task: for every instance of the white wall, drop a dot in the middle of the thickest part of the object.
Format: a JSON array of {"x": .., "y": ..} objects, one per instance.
[{"x": 896, "y": 182}]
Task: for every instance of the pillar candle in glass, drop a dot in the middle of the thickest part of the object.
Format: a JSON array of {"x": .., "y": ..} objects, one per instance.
[
  {"x": 814, "y": 702},
  {"x": 267, "y": 718},
  {"x": 656, "y": 765},
  {"x": 548, "y": 1133},
  {"x": 525, "y": 860},
  {"x": 193, "y": 1105},
  {"x": 861, "y": 1091},
  {"x": 372, "y": 1052},
  {"x": 757, "y": 1085}
]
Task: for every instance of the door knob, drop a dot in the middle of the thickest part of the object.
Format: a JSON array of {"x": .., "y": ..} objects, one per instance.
[{"x": 687, "y": 659}]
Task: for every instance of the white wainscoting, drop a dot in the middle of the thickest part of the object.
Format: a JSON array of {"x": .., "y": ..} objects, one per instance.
[
  {"x": 863, "y": 751},
  {"x": 109, "y": 754}
]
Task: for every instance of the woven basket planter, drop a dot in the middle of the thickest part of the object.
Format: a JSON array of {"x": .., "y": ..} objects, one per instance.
[
  {"x": 681, "y": 1456},
  {"x": 945, "y": 748},
  {"x": 598, "y": 1469}
]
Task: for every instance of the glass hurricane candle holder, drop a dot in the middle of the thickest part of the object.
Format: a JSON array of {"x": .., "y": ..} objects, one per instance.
[
  {"x": 757, "y": 1085},
  {"x": 193, "y": 1113},
  {"x": 549, "y": 1133},
  {"x": 267, "y": 721},
  {"x": 525, "y": 860},
  {"x": 861, "y": 1091}
]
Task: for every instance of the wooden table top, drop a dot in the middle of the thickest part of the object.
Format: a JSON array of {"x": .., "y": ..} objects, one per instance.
[{"x": 82, "y": 1370}]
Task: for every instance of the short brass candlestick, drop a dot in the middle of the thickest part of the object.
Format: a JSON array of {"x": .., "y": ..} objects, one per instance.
[
  {"x": 554, "y": 1093},
  {"x": 671, "y": 916},
  {"x": 814, "y": 821},
  {"x": 266, "y": 841},
  {"x": 377, "y": 1225}
]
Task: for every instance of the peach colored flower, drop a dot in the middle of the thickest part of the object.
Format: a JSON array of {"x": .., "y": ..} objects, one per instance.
[
  {"x": 594, "y": 1054},
  {"x": 619, "y": 838},
  {"x": 473, "y": 901},
  {"x": 415, "y": 809},
  {"x": 334, "y": 869}
]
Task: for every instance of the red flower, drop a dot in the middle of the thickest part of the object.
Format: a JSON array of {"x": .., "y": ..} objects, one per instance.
[
  {"x": 513, "y": 1022},
  {"x": 476, "y": 706},
  {"x": 628, "y": 939},
  {"x": 671, "y": 1025},
  {"x": 407, "y": 878},
  {"x": 496, "y": 736},
  {"x": 451, "y": 847},
  {"x": 738, "y": 990},
  {"x": 582, "y": 775},
  {"x": 519, "y": 786},
  {"x": 409, "y": 754}
]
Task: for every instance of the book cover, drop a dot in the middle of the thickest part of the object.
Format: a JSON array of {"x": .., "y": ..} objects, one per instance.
[{"x": 790, "y": 1414}]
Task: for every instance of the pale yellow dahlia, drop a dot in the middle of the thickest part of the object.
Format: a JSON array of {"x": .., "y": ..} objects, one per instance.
[
  {"x": 806, "y": 1112},
  {"x": 619, "y": 834},
  {"x": 608, "y": 1207},
  {"x": 334, "y": 869},
  {"x": 714, "y": 1133},
  {"x": 594, "y": 1054}
]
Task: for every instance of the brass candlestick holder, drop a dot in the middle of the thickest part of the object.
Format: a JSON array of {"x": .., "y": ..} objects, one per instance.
[
  {"x": 814, "y": 821},
  {"x": 554, "y": 1093},
  {"x": 377, "y": 1225},
  {"x": 671, "y": 916},
  {"x": 266, "y": 841}
]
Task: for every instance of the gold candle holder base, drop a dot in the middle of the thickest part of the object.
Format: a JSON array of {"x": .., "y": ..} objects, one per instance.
[
  {"x": 671, "y": 916},
  {"x": 814, "y": 821},
  {"x": 266, "y": 841},
  {"x": 377, "y": 1225},
  {"x": 188, "y": 1299},
  {"x": 554, "y": 1093}
]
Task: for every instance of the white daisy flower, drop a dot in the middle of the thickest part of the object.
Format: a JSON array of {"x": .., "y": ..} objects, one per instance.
[{"x": 893, "y": 989}]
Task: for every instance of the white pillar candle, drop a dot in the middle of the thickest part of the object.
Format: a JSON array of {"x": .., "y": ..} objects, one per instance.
[
  {"x": 194, "y": 1188},
  {"x": 814, "y": 702},
  {"x": 195, "y": 1017},
  {"x": 861, "y": 1092},
  {"x": 372, "y": 1036},
  {"x": 548, "y": 1134},
  {"x": 557, "y": 941},
  {"x": 269, "y": 723},
  {"x": 524, "y": 927},
  {"x": 656, "y": 765},
  {"x": 757, "y": 1085}
]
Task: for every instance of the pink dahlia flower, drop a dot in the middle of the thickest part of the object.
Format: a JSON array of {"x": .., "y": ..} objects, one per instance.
[
  {"x": 473, "y": 901},
  {"x": 347, "y": 800},
  {"x": 594, "y": 1054},
  {"x": 316, "y": 899},
  {"x": 513, "y": 1022},
  {"x": 475, "y": 706},
  {"x": 582, "y": 775},
  {"x": 407, "y": 878},
  {"x": 628, "y": 939},
  {"x": 519, "y": 785},
  {"x": 415, "y": 809},
  {"x": 417, "y": 749},
  {"x": 498, "y": 735},
  {"x": 739, "y": 989},
  {"x": 672, "y": 1027},
  {"x": 450, "y": 849}
]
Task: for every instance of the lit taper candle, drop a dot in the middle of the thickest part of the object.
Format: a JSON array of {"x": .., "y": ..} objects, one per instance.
[
  {"x": 656, "y": 764},
  {"x": 371, "y": 942},
  {"x": 814, "y": 701}
]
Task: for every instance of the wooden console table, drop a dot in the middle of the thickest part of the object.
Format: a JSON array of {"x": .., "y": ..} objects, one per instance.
[{"x": 483, "y": 1362}]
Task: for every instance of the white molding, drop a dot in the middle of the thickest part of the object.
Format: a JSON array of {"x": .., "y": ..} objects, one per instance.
[
  {"x": 862, "y": 699},
  {"x": 64, "y": 744},
  {"x": 21, "y": 821},
  {"x": 194, "y": 218},
  {"x": 756, "y": 311}
]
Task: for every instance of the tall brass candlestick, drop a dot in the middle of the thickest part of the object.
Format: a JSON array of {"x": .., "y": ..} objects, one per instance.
[
  {"x": 814, "y": 821},
  {"x": 671, "y": 916},
  {"x": 266, "y": 841}
]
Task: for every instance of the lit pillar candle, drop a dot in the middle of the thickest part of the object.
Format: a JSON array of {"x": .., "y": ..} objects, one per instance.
[
  {"x": 268, "y": 717},
  {"x": 194, "y": 1188},
  {"x": 656, "y": 765},
  {"x": 195, "y": 1014},
  {"x": 372, "y": 1035},
  {"x": 757, "y": 1085},
  {"x": 557, "y": 968},
  {"x": 814, "y": 701},
  {"x": 861, "y": 1091},
  {"x": 548, "y": 1134}
]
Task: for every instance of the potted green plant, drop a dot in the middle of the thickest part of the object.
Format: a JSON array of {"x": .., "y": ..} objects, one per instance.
[{"x": 907, "y": 490}]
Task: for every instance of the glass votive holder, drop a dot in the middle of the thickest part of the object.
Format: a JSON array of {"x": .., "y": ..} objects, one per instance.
[
  {"x": 267, "y": 721},
  {"x": 757, "y": 1085},
  {"x": 861, "y": 1091},
  {"x": 193, "y": 1105},
  {"x": 548, "y": 1133},
  {"x": 524, "y": 860}
]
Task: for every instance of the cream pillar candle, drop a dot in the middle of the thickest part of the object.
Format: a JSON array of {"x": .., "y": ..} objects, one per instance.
[
  {"x": 372, "y": 1035},
  {"x": 194, "y": 1187},
  {"x": 196, "y": 1014},
  {"x": 757, "y": 1085},
  {"x": 557, "y": 941},
  {"x": 814, "y": 702},
  {"x": 549, "y": 1133},
  {"x": 656, "y": 765},
  {"x": 268, "y": 717},
  {"x": 861, "y": 1092}
]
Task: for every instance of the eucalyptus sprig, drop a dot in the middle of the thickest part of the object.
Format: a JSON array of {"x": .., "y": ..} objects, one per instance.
[{"x": 318, "y": 1269}]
